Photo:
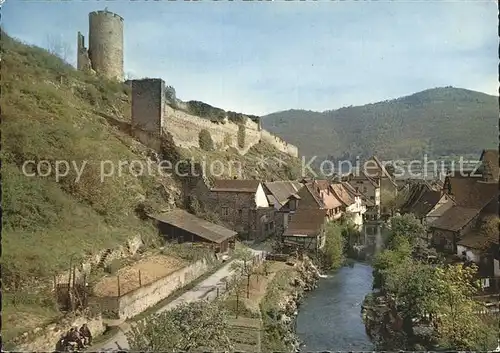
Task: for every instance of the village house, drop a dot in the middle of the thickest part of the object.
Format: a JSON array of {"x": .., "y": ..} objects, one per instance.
[
  {"x": 306, "y": 229},
  {"x": 319, "y": 195},
  {"x": 489, "y": 169},
  {"x": 473, "y": 199},
  {"x": 283, "y": 196},
  {"x": 352, "y": 204},
  {"x": 426, "y": 204},
  {"x": 370, "y": 190},
  {"x": 183, "y": 227},
  {"x": 241, "y": 205}
]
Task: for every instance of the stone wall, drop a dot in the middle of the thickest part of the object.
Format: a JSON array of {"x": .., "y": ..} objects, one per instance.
[
  {"x": 185, "y": 129},
  {"x": 137, "y": 301},
  {"x": 279, "y": 143},
  {"x": 150, "y": 113},
  {"x": 45, "y": 339},
  {"x": 103, "y": 258}
]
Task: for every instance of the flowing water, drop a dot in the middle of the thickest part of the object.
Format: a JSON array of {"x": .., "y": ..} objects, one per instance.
[{"x": 330, "y": 316}]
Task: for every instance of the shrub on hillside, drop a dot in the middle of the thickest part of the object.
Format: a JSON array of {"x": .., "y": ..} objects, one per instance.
[
  {"x": 205, "y": 140},
  {"x": 241, "y": 136}
]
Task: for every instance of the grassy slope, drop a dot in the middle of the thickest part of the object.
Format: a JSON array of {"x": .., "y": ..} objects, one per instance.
[
  {"x": 445, "y": 120},
  {"x": 52, "y": 112}
]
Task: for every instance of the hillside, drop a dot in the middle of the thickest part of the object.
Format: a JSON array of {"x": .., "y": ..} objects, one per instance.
[
  {"x": 53, "y": 114},
  {"x": 441, "y": 121}
]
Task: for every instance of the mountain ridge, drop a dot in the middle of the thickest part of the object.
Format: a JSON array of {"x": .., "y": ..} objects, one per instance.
[{"x": 437, "y": 121}]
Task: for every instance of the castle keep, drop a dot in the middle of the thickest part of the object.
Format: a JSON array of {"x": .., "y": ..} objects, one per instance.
[
  {"x": 105, "y": 52},
  {"x": 155, "y": 108}
]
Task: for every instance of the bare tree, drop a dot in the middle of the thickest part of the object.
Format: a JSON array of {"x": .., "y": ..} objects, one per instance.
[{"x": 57, "y": 46}]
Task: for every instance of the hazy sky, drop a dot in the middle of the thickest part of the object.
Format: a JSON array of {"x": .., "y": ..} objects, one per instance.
[{"x": 261, "y": 57}]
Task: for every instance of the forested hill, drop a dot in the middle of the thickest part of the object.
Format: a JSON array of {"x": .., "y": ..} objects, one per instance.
[{"x": 439, "y": 121}]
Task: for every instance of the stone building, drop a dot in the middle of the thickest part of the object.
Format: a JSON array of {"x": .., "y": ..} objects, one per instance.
[
  {"x": 240, "y": 204},
  {"x": 105, "y": 52}
]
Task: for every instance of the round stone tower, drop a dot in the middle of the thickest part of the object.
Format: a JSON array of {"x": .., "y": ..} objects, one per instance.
[{"x": 106, "y": 44}]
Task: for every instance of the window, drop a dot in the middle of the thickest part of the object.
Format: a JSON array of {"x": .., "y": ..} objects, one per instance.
[
  {"x": 359, "y": 182},
  {"x": 225, "y": 211},
  {"x": 289, "y": 217},
  {"x": 372, "y": 198},
  {"x": 240, "y": 213},
  {"x": 365, "y": 189}
]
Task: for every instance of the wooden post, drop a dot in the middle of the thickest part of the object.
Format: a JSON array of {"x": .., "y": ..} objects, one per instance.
[
  {"x": 118, "y": 284},
  {"x": 140, "y": 281},
  {"x": 217, "y": 292},
  {"x": 237, "y": 301},
  {"x": 248, "y": 286}
]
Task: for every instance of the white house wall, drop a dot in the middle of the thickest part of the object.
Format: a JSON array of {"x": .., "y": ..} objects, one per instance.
[
  {"x": 496, "y": 268},
  {"x": 260, "y": 197}
]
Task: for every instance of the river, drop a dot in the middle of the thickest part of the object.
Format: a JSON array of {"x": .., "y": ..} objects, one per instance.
[{"x": 330, "y": 316}]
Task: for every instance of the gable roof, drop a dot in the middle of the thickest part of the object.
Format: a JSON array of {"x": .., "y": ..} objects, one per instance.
[
  {"x": 378, "y": 170},
  {"x": 306, "y": 222},
  {"x": 439, "y": 211},
  {"x": 344, "y": 196},
  {"x": 470, "y": 192},
  {"x": 192, "y": 224},
  {"x": 455, "y": 218},
  {"x": 235, "y": 185},
  {"x": 490, "y": 164},
  {"x": 314, "y": 193},
  {"x": 282, "y": 190},
  {"x": 425, "y": 203}
]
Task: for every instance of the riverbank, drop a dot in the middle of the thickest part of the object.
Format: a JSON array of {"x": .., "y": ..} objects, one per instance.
[{"x": 279, "y": 307}]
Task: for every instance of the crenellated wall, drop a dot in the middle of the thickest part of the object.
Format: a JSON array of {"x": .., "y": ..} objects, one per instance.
[
  {"x": 150, "y": 113},
  {"x": 185, "y": 129}
]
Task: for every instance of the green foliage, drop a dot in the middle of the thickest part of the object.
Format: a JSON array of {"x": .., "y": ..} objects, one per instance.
[
  {"x": 441, "y": 295},
  {"x": 407, "y": 226},
  {"x": 334, "y": 245},
  {"x": 52, "y": 112},
  {"x": 205, "y": 140},
  {"x": 189, "y": 327},
  {"x": 458, "y": 326},
  {"x": 241, "y": 136},
  {"x": 444, "y": 120}
]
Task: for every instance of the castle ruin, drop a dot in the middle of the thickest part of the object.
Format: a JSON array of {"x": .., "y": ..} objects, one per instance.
[{"x": 104, "y": 55}]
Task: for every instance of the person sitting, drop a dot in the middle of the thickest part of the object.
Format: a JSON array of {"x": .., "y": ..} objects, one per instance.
[
  {"x": 73, "y": 337},
  {"x": 86, "y": 335}
]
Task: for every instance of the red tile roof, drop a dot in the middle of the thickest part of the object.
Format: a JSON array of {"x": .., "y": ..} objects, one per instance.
[{"x": 344, "y": 196}]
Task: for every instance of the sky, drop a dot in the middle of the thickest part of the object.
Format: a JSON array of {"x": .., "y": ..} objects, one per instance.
[{"x": 262, "y": 57}]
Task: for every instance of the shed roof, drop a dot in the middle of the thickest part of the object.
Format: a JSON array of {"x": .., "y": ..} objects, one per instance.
[
  {"x": 235, "y": 185},
  {"x": 306, "y": 222},
  {"x": 478, "y": 240},
  {"x": 192, "y": 224}
]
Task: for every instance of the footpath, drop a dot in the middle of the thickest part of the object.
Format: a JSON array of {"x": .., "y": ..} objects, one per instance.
[{"x": 207, "y": 290}]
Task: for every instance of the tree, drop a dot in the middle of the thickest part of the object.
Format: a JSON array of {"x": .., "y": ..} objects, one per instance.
[
  {"x": 57, "y": 46},
  {"x": 194, "y": 326},
  {"x": 244, "y": 266},
  {"x": 333, "y": 251},
  {"x": 458, "y": 324},
  {"x": 407, "y": 226}
]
